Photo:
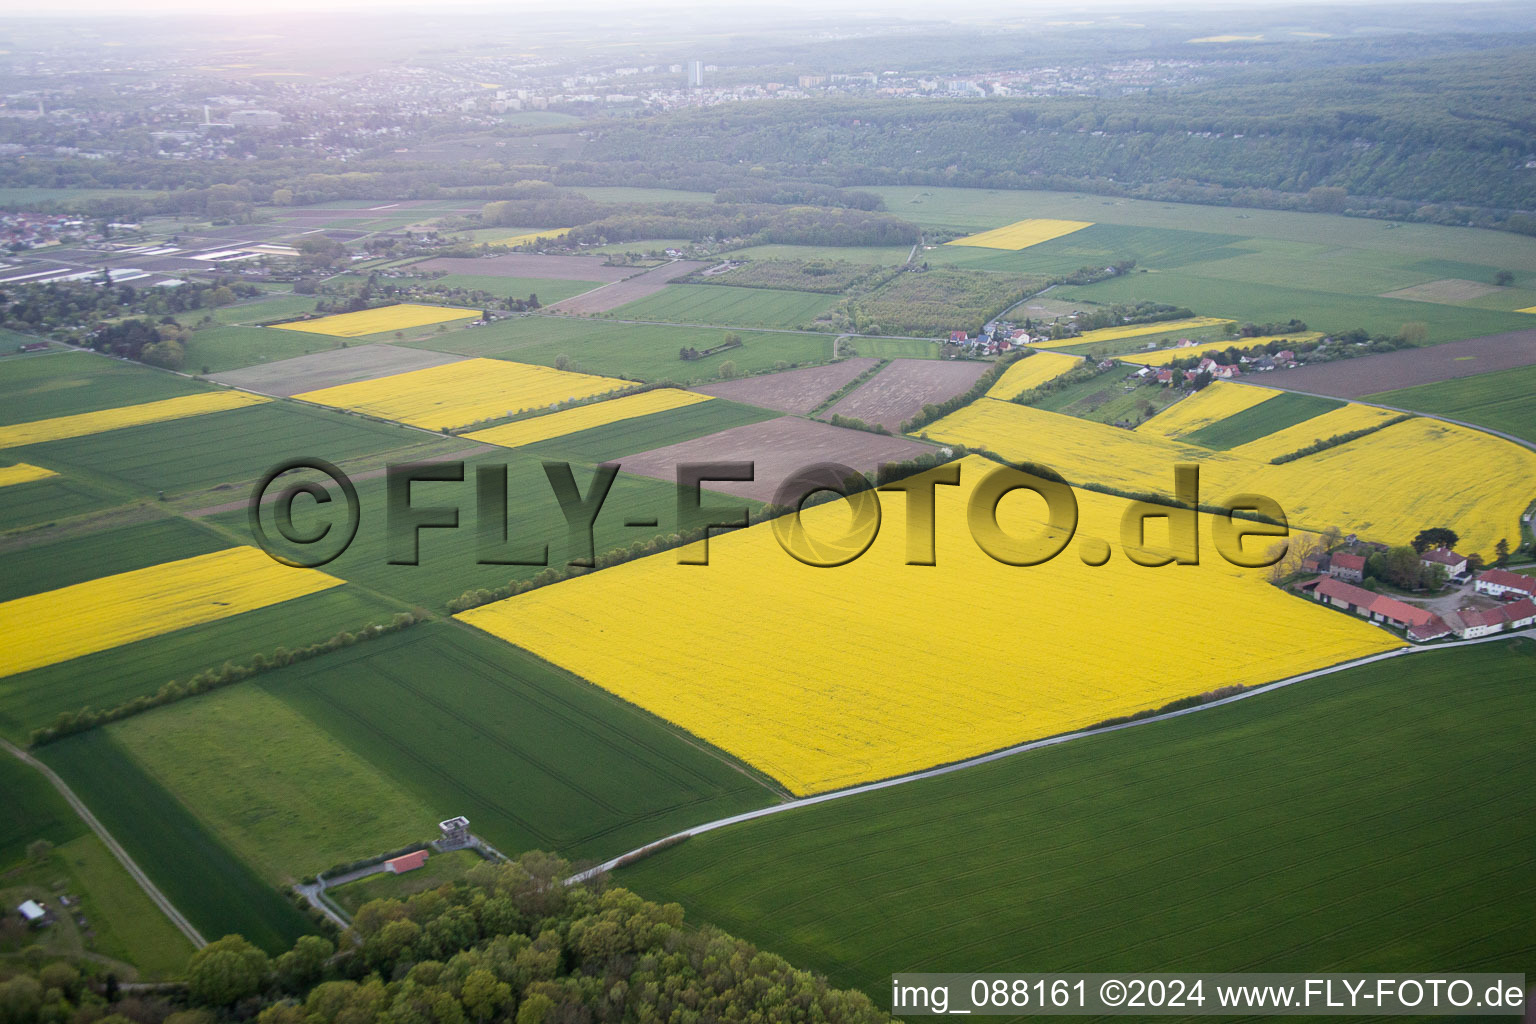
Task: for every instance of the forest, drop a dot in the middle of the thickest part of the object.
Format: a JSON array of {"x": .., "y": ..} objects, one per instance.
[
  {"x": 514, "y": 943},
  {"x": 1441, "y": 139}
]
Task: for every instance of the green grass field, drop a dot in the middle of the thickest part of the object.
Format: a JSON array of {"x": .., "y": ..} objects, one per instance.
[
  {"x": 627, "y": 437},
  {"x": 882, "y": 255},
  {"x": 440, "y": 869},
  {"x": 1284, "y": 410},
  {"x": 1259, "y": 302},
  {"x": 547, "y": 289},
  {"x": 728, "y": 307},
  {"x": 891, "y": 348},
  {"x": 214, "y": 889},
  {"x": 253, "y": 311},
  {"x": 988, "y": 208},
  {"x": 48, "y": 565},
  {"x": 1499, "y": 400},
  {"x": 448, "y": 559},
  {"x": 233, "y": 447},
  {"x": 1098, "y": 245},
  {"x": 288, "y": 799},
  {"x": 534, "y": 757},
  {"x": 44, "y": 385},
  {"x": 645, "y": 352},
  {"x": 33, "y": 810},
  {"x": 49, "y": 500},
  {"x": 32, "y": 699},
  {"x": 1375, "y": 820},
  {"x": 216, "y": 349}
]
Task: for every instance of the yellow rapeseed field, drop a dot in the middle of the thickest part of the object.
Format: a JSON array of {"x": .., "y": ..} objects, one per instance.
[
  {"x": 1338, "y": 421},
  {"x": 377, "y": 321},
  {"x": 1527, "y": 309},
  {"x": 58, "y": 625},
  {"x": 1022, "y": 234},
  {"x": 21, "y": 473},
  {"x": 80, "y": 424},
  {"x": 1135, "y": 331},
  {"x": 1031, "y": 372},
  {"x": 530, "y": 236},
  {"x": 1162, "y": 356},
  {"x": 584, "y": 417},
  {"x": 470, "y": 390},
  {"x": 878, "y": 668},
  {"x": 1386, "y": 486},
  {"x": 1216, "y": 401}
]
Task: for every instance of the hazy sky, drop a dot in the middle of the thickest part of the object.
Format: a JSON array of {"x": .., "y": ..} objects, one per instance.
[{"x": 917, "y": 8}]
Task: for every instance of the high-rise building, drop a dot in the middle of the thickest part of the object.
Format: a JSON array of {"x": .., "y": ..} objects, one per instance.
[{"x": 695, "y": 74}]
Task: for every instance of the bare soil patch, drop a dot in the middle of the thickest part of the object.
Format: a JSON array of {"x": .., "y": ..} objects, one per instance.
[
  {"x": 327, "y": 369},
  {"x": 612, "y": 296},
  {"x": 527, "y": 264},
  {"x": 1353, "y": 378},
  {"x": 777, "y": 448},
  {"x": 900, "y": 391},
  {"x": 797, "y": 391},
  {"x": 1448, "y": 290}
]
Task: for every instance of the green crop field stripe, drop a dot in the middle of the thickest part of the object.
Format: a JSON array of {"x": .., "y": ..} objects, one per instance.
[
  {"x": 552, "y": 687},
  {"x": 102, "y": 680},
  {"x": 175, "y": 456},
  {"x": 1316, "y": 808},
  {"x": 1500, "y": 400},
  {"x": 1284, "y": 410},
  {"x": 613, "y": 441},
  {"x": 33, "y": 810},
  {"x": 647, "y": 352},
  {"x": 37, "y": 387},
  {"x": 470, "y": 725},
  {"x": 62, "y": 563},
  {"x": 728, "y": 306},
  {"x": 646, "y": 776},
  {"x": 214, "y": 889}
]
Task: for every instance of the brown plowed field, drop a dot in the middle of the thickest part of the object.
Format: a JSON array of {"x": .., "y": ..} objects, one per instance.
[
  {"x": 1353, "y": 378},
  {"x": 527, "y": 264},
  {"x": 777, "y": 448},
  {"x": 797, "y": 391},
  {"x": 330, "y": 368},
  {"x": 612, "y": 296},
  {"x": 900, "y": 391}
]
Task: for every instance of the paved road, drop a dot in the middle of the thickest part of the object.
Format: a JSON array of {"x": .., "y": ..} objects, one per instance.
[
  {"x": 155, "y": 895},
  {"x": 998, "y": 755}
]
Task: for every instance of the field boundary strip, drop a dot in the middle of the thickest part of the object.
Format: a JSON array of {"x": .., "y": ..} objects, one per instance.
[
  {"x": 156, "y": 897},
  {"x": 61, "y": 428},
  {"x": 1022, "y": 748},
  {"x": 1514, "y": 438}
]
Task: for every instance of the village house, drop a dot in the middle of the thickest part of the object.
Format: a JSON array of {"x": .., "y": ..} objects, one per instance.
[
  {"x": 1316, "y": 562},
  {"x": 1347, "y": 567},
  {"x": 1503, "y": 584},
  {"x": 1454, "y": 564},
  {"x": 1468, "y": 623},
  {"x": 1380, "y": 608}
]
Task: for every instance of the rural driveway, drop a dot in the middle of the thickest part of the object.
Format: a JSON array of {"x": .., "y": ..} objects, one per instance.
[{"x": 156, "y": 896}]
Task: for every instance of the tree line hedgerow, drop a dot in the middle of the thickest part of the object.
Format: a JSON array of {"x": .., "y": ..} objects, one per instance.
[{"x": 70, "y": 722}]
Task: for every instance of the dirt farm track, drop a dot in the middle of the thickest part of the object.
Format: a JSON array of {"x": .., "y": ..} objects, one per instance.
[{"x": 1354, "y": 378}]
